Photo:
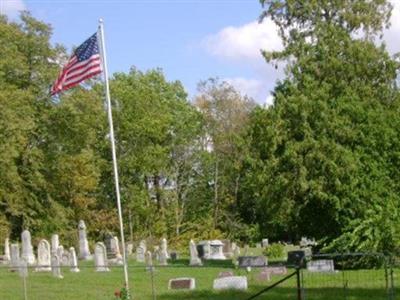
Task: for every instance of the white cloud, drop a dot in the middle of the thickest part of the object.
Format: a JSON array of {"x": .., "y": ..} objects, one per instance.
[
  {"x": 391, "y": 35},
  {"x": 11, "y": 8},
  {"x": 243, "y": 42},
  {"x": 249, "y": 87}
]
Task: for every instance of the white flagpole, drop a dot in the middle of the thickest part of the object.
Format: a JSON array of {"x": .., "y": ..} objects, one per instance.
[{"x": 114, "y": 156}]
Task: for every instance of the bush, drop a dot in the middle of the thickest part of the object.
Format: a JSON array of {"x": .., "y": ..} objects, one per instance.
[{"x": 275, "y": 251}]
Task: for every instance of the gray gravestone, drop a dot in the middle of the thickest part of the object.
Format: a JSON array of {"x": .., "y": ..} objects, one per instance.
[
  {"x": 27, "y": 249},
  {"x": 321, "y": 265},
  {"x": 84, "y": 252},
  {"x": 182, "y": 283},
  {"x": 230, "y": 283},
  {"x": 141, "y": 251},
  {"x": 55, "y": 243},
  {"x": 252, "y": 261},
  {"x": 7, "y": 256},
  {"x": 44, "y": 257},
  {"x": 225, "y": 274},
  {"x": 15, "y": 258},
  {"x": 73, "y": 261},
  {"x": 264, "y": 243},
  {"x": 56, "y": 266},
  {"x": 100, "y": 258},
  {"x": 194, "y": 257}
]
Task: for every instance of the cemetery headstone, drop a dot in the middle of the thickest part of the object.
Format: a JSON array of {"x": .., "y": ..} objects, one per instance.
[
  {"x": 84, "y": 252},
  {"x": 252, "y": 261},
  {"x": 225, "y": 274},
  {"x": 321, "y": 265},
  {"x": 164, "y": 247},
  {"x": 15, "y": 257},
  {"x": 73, "y": 260},
  {"x": 194, "y": 258},
  {"x": 156, "y": 253},
  {"x": 264, "y": 243},
  {"x": 100, "y": 258},
  {"x": 140, "y": 251},
  {"x": 6, "y": 256},
  {"x": 129, "y": 249},
  {"x": 115, "y": 248},
  {"x": 55, "y": 243},
  {"x": 56, "y": 266},
  {"x": 44, "y": 257},
  {"x": 60, "y": 252},
  {"x": 27, "y": 249},
  {"x": 182, "y": 283},
  {"x": 173, "y": 255},
  {"x": 267, "y": 272},
  {"x": 65, "y": 259},
  {"x": 230, "y": 283},
  {"x": 163, "y": 258},
  {"x": 107, "y": 242}
]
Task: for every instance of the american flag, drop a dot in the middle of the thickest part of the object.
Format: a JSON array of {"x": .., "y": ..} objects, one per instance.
[{"x": 83, "y": 64}]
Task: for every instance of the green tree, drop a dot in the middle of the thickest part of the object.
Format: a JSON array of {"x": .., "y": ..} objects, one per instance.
[{"x": 325, "y": 151}]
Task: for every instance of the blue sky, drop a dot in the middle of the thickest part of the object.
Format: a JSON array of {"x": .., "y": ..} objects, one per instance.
[
  {"x": 175, "y": 35},
  {"x": 191, "y": 40}
]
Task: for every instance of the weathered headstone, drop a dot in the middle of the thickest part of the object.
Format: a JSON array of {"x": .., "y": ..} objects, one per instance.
[
  {"x": 55, "y": 243},
  {"x": 194, "y": 258},
  {"x": 129, "y": 249},
  {"x": 174, "y": 255},
  {"x": 100, "y": 258},
  {"x": 264, "y": 243},
  {"x": 27, "y": 249},
  {"x": 225, "y": 274},
  {"x": 115, "y": 248},
  {"x": 84, "y": 252},
  {"x": 65, "y": 259},
  {"x": 56, "y": 266},
  {"x": 6, "y": 256},
  {"x": 108, "y": 242},
  {"x": 15, "y": 257},
  {"x": 140, "y": 251},
  {"x": 321, "y": 265},
  {"x": 230, "y": 283},
  {"x": 164, "y": 247},
  {"x": 182, "y": 283},
  {"x": 43, "y": 257},
  {"x": 73, "y": 261},
  {"x": 163, "y": 258},
  {"x": 252, "y": 261}
]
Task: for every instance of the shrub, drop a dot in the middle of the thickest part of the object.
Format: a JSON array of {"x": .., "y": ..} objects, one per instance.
[{"x": 275, "y": 251}]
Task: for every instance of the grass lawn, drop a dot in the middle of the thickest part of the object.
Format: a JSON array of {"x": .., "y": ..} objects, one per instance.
[{"x": 364, "y": 284}]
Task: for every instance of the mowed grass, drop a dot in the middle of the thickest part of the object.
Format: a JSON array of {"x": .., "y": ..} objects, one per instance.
[{"x": 88, "y": 284}]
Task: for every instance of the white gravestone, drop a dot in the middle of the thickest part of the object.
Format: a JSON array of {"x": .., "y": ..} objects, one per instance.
[
  {"x": 230, "y": 283},
  {"x": 321, "y": 265},
  {"x": 56, "y": 266},
  {"x": 44, "y": 257},
  {"x": 163, "y": 258},
  {"x": 140, "y": 252},
  {"x": 84, "y": 252},
  {"x": 100, "y": 258},
  {"x": 265, "y": 243},
  {"x": 6, "y": 256},
  {"x": 129, "y": 249},
  {"x": 65, "y": 259},
  {"x": 55, "y": 243},
  {"x": 27, "y": 249},
  {"x": 14, "y": 256},
  {"x": 115, "y": 249},
  {"x": 164, "y": 247},
  {"x": 73, "y": 261},
  {"x": 194, "y": 255}
]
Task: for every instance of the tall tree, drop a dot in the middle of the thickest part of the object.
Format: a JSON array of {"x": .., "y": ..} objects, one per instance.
[{"x": 317, "y": 153}]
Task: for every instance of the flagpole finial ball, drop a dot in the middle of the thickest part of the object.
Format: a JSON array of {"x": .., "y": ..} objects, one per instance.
[{"x": 100, "y": 20}]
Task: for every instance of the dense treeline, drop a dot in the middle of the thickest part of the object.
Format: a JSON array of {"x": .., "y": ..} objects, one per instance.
[{"x": 322, "y": 161}]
